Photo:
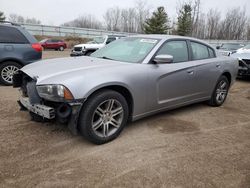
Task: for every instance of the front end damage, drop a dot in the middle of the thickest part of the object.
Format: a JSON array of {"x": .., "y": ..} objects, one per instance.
[
  {"x": 244, "y": 67},
  {"x": 40, "y": 109}
]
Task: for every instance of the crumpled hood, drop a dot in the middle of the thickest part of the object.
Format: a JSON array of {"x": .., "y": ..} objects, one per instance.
[
  {"x": 243, "y": 50},
  {"x": 48, "y": 69},
  {"x": 241, "y": 55}
]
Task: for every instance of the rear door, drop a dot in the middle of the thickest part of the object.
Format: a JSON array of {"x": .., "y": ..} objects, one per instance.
[
  {"x": 49, "y": 44},
  {"x": 208, "y": 68}
]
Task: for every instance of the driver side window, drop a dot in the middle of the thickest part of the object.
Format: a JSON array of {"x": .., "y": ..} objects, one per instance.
[{"x": 178, "y": 49}]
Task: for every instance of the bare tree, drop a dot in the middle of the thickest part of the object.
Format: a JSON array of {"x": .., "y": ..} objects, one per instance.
[
  {"x": 195, "y": 18},
  {"x": 20, "y": 19},
  {"x": 85, "y": 21},
  {"x": 248, "y": 30},
  {"x": 127, "y": 19},
  {"x": 142, "y": 14},
  {"x": 112, "y": 18},
  {"x": 213, "y": 24},
  {"x": 233, "y": 26}
]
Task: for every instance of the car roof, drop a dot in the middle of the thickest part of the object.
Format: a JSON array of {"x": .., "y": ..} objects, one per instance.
[{"x": 161, "y": 37}]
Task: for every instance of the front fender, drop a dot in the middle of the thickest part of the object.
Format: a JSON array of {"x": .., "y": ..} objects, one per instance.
[{"x": 104, "y": 85}]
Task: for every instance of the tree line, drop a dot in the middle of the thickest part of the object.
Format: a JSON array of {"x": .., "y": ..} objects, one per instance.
[{"x": 190, "y": 21}]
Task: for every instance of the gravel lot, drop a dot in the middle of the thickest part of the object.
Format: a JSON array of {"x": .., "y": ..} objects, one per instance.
[{"x": 195, "y": 146}]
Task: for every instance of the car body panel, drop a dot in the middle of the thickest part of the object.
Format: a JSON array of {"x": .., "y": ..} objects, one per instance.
[{"x": 153, "y": 87}]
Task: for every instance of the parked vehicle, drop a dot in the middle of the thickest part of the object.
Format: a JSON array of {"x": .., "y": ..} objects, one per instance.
[
  {"x": 17, "y": 48},
  {"x": 55, "y": 44},
  {"x": 245, "y": 49},
  {"x": 129, "y": 79},
  {"x": 93, "y": 45},
  {"x": 227, "y": 49},
  {"x": 243, "y": 56}
]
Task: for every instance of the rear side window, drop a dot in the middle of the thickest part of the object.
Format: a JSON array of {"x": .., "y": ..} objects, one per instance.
[
  {"x": 11, "y": 35},
  {"x": 211, "y": 52},
  {"x": 200, "y": 51},
  {"x": 178, "y": 49}
]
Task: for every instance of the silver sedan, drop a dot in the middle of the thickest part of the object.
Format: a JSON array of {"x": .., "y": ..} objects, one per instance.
[{"x": 129, "y": 79}]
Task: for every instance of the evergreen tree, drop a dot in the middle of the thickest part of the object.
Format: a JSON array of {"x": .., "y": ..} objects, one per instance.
[
  {"x": 158, "y": 23},
  {"x": 184, "y": 24},
  {"x": 2, "y": 17}
]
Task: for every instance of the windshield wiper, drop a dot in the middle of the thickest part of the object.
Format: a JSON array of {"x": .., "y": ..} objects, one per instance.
[{"x": 104, "y": 57}]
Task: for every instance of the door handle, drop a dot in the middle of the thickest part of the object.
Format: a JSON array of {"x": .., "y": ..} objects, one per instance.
[
  {"x": 190, "y": 72},
  {"x": 218, "y": 65}
]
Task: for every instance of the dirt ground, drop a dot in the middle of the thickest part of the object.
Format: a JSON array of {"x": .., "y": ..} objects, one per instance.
[{"x": 195, "y": 146}]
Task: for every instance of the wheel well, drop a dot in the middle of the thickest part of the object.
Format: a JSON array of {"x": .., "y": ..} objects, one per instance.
[
  {"x": 125, "y": 93},
  {"x": 12, "y": 60},
  {"x": 228, "y": 75}
]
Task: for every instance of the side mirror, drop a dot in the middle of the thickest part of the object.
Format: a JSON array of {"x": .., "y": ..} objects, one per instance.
[
  {"x": 162, "y": 59},
  {"x": 217, "y": 47}
]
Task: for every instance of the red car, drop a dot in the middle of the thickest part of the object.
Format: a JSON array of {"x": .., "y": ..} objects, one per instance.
[{"x": 53, "y": 44}]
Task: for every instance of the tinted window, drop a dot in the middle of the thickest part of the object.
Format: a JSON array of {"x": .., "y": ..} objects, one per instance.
[
  {"x": 200, "y": 51},
  {"x": 11, "y": 35},
  {"x": 211, "y": 52},
  {"x": 178, "y": 49}
]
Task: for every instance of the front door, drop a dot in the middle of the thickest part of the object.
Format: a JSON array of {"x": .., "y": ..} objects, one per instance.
[{"x": 172, "y": 83}]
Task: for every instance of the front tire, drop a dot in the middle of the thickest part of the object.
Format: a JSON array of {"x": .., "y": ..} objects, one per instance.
[
  {"x": 103, "y": 117},
  {"x": 7, "y": 70},
  {"x": 220, "y": 92}
]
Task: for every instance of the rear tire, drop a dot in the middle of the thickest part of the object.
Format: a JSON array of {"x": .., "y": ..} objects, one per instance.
[
  {"x": 61, "y": 48},
  {"x": 7, "y": 70},
  {"x": 220, "y": 92},
  {"x": 103, "y": 116}
]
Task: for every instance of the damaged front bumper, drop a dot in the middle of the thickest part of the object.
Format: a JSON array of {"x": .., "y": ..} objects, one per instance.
[
  {"x": 66, "y": 113},
  {"x": 41, "y": 110}
]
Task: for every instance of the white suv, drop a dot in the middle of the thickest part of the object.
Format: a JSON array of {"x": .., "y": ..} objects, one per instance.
[{"x": 92, "y": 46}]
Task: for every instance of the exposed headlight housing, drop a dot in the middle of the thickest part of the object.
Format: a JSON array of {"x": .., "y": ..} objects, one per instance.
[{"x": 55, "y": 93}]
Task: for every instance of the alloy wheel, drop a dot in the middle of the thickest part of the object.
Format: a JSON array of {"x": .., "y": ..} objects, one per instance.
[
  {"x": 8, "y": 72},
  {"x": 221, "y": 91},
  {"x": 107, "y": 118}
]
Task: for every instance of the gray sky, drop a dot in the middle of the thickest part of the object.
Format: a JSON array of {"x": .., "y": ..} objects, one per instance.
[{"x": 59, "y": 11}]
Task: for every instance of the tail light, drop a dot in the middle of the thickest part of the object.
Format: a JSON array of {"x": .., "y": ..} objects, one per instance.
[{"x": 37, "y": 47}]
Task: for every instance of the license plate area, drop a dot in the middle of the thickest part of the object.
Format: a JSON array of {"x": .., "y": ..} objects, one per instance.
[{"x": 41, "y": 110}]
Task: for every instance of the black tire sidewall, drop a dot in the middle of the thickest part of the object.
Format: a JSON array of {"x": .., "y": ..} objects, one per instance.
[
  {"x": 2, "y": 66},
  {"x": 214, "y": 100},
  {"x": 85, "y": 118}
]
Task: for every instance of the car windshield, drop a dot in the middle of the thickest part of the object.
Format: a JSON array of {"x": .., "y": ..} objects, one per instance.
[
  {"x": 131, "y": 49},
  {"x": 97, "y": 40},
  {"x": 231, "y": 46}
]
